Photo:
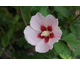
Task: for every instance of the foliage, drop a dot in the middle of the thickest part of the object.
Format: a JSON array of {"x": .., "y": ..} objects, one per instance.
[{"x": 14, "y": 45}]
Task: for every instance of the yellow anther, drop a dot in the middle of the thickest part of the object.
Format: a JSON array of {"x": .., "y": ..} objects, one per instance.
[{"x": 45, "y": 33}]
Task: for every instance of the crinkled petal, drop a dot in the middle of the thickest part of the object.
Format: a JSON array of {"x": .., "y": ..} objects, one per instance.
[
  {"x": 37, "y": 21},
  {"x": 31, "y": 35},
  {"x": 42, "y": 47},
  {"x": 51, "y": 21}
]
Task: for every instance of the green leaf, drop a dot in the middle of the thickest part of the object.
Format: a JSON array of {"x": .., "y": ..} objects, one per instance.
[
  {"x": 5, "y": 40},
  {"x": 35, "y": 9},
  {"x": 51, "y": 54},
  {"x": 65, "y": 32},
  {"x": 26, "y": 9},
  {"x": 70, "y": 19},
  {"x": 77, "y": 7},
  {"x": 62, "y": 11},
  {"x": 71, "y": 40},
  {"x": 38, "y": 56},
  {"x": 62, "y": 48},
  {"x": 44, "y": 10},
  {"x": 26, "y": 13},
  {"x": 15, "y": 54},
  {"x": 4, "y": 20},
  {"x": 75, "y": 28},
  {"x": 77, "y": 52},
  {"x": 16, "y": 7},
  {"x": 21, "y": 26},
  {"x": 6, "y": 37},
  {"x": 22, "y": 42},
  {"x": 26, "y": 17},
  {"x": 10, "y": 32},
  {"x": 64, "y": 57},
  {"x": 17, "y": 17}
]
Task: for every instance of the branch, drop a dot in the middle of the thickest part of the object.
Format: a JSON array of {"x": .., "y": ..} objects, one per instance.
[
  {"x": 22, "y": 16},
  {"x": 11, "y": 47},
  {"x": 6, "y": 54},
  {"x": 74, "y": 20},
  {"x": 9, "y": 44},
  {"x": 8, "y": 14}
]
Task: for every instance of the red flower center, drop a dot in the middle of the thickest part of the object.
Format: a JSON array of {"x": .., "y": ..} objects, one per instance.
[{"x": 46, "y": 33}]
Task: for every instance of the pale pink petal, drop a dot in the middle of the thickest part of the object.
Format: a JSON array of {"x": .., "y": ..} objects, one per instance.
[
  {"x": 37, "y": 21},
  {"x": 51, "y": 46},
  {"x": 31, "y": 35},
  {"x": 57, "y": 31},
  {"x": 52, "y": 41},
  {"x": 57, "y": 35},
  {"x": 51, "y": 21},
  {"x": 38, "y": 24},
  {"x": 42, "y": 47}
]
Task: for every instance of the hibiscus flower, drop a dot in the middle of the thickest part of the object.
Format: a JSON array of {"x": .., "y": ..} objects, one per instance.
[{"x": 43, "y": 32}]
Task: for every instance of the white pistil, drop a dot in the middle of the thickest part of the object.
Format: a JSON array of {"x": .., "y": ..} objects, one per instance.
[{"x": 45, "y": 33}]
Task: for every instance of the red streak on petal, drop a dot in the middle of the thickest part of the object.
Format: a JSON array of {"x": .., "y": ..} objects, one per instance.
[
  {"x": 39, "y": 36},
  {"x": 49, "y": 28},
  {"x": 43, "y": 28},
  {"x": 51, "y": 35},
  {"x": 46, "y": 39}
]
